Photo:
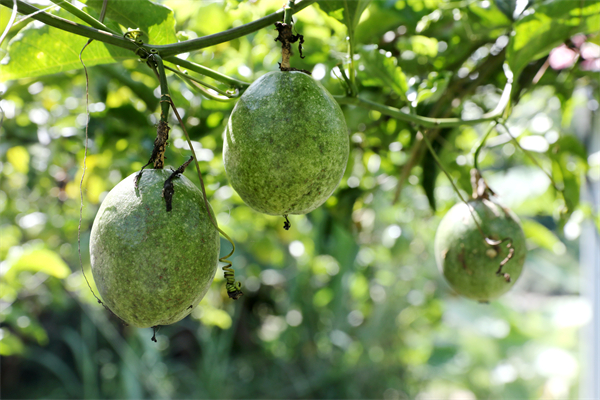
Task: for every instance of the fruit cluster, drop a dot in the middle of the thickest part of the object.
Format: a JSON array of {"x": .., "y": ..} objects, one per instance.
[{"x": 286, "y": 149}]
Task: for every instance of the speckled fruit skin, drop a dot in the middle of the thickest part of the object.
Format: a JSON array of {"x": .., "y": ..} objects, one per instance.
[
  {"x": 152, "y": 267},
  {"x": 466, "y": 261},
  {"x": 286, "y": 144}
]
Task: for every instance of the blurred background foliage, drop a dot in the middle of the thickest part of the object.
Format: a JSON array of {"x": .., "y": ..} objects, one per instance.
[{"x": 349, "y": 302}]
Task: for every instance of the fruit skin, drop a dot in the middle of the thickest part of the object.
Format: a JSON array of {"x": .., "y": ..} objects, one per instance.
[
  {"x": 152, "y": 267},
  {"x": 286, "y": 144},
  {"x": 466, "y": 261}
]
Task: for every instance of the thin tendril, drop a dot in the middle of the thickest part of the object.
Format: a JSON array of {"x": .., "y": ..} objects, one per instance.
[
  {"x": 87, "y": 122},
  {"x": 13, "y": 16},
  {"x": 481, "y": 144},
  {"x": 233, "y": 287},
  {"x": 532, "y": 158},
  {"x": 43, "y": 10},
  {"x": 191, "y": 78},
  {"x": 103, "y": 10}
]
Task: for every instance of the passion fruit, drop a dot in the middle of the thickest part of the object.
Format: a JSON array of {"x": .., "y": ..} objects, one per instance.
[
  {"x": 286, "y": 144},
  {"x": 152, "y": 267},
  {"x": 474, "y": 267}
]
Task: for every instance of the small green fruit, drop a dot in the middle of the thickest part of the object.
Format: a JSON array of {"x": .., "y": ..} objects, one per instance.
[
  {"x": 152, "y": 267},
  {"x": 286, "y": 144},
  {"x": 469, "y": 264}
]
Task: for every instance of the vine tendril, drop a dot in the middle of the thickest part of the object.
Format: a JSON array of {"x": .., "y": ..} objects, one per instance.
[{"x": 232, "y": 286}]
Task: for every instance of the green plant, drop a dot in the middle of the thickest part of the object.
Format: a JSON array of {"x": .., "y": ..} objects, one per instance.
[
  {"x": 348, "y": 304},
  {"x": 286, "y": 144},
  {"x": 153, "y": 253}
]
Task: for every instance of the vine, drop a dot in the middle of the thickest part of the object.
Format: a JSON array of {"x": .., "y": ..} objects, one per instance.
[{"x": 168, "y": 51}]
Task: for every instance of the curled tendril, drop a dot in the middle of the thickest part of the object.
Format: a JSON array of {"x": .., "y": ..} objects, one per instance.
[
  {"x": 232, "y": 286},
  {"x": 135, "y": 35}
]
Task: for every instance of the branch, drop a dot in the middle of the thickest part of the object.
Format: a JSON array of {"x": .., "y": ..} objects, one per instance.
[
  {"x": 225, "y": 36},
  {"x": 70, "y": 26},
  {"x": 208, "y": 72},
  {"x": 428, "y": 122},
  {"x": 85, "y": 17},
  {"x": 164, "y": 50}
]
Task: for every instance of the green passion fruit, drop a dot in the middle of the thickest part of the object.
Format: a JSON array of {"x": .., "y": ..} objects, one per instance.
[
  {"x": 152, "y": 267},
  {"x": 473, "y": 267},
  {"x": 286, "y": 144}
]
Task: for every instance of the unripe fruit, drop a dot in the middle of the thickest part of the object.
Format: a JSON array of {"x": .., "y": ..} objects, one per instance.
[
  {"x": 471, "y": 266},
  {"x": 286, "y": 144},
  {"x": 152, "y": 267}
]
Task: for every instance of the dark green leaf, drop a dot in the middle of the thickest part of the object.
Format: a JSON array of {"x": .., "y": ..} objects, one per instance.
[
  {"x": 430, "y": 172},
  {"x": 508, "y": 7}
]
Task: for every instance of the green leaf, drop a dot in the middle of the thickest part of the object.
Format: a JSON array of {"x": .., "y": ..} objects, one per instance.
[
  {"x": 570, "y": 144},
  {"x": 346, "y": 11},
  {"x": 507, "y": 7},
  {"x": 155, "y": 21},
  {"x": 37, "y": 260},
  {"x": 492, "y": 16},
  {"x": 552, "y": 23},
  {"x": 539, "y": 234},
  {"x": 41, "y": 50},
  {"x": 383, "y": 68},
  {"x": 569, "y": 180},
  {"x": 568, "y": 149}
]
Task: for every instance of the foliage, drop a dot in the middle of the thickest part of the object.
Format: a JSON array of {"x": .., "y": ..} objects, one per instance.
[{"x": 348, "y": 303}]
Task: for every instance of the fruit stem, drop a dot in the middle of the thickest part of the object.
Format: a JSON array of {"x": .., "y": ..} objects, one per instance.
[
  {"x": 481, "y": 144},
  {"x": 285, "y": 37},
  {"x": 162, "y": 129},
  {"x": 156, "y": 63},
  {"x": 489, "y": 241},
  {"x": 288, "y": 12},
  {"x": 423, "y": 136}
]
